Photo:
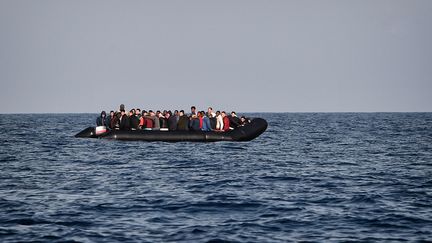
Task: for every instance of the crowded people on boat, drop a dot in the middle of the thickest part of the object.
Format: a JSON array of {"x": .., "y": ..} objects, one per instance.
[{"x": 136, "y": 119}]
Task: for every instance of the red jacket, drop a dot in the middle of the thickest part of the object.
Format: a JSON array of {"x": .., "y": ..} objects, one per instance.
[
  {"x": 226, "y": 124},
  {"x": 148, "y": 123}
]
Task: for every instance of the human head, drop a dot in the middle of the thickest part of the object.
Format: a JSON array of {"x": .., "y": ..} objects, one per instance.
[
  {"x": 193, "y": 108},
  {"x": 111, "y": 113},
  {"x": 181, "y": 112},
  {"x": 138, "y": 111},
  {"x": 233, "y": 113},
  {"x": 223, "y": 114},
  {"x": 122, "y": 112},
  {"x": 176, "y": 112}
]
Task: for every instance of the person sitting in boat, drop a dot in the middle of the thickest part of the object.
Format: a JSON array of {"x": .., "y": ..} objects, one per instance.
[
  {"x": 148, "y": 120},
  {"x": 109, "y": 119},
  {"x": 204, "y": 122},
  {"x": 102, "y": 120},
  {"x": 176, "y": 114},
  {"x": 172, "y": 121},
  {"x": 226, "y": 122},
  {"x": 124, "y": 123},
  {"x": 234, "y": 120},
  {"x": 114, "y": 123},
  {"x": 158, "y": 114},
  {"x": 212, "y": 117},
  {"x": 142, "y": 123},
  {"x": 133, "y": 120},
  {"x": 210, "y": 113},
  {"x": 183, "y": 123},
  {"x": 164, "y": 120},
  {"x": 219, "y": 121},
  {"x": 244, "y": 121},
  {"x": 156, "y": 122},
  {"x": 194, "y": 123},
  {"x": 138, "y": 113}
]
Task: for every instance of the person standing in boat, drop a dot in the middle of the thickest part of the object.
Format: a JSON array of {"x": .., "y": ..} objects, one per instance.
[
  {"x": 193, "y": 112},
  {"x": 102, "y": 119}
]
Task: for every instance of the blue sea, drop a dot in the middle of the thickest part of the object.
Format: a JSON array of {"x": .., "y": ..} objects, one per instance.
[{"x": 316, "y": 177}]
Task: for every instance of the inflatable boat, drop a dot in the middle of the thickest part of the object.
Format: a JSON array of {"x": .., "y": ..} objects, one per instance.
[{"x": 243, "y": 133}]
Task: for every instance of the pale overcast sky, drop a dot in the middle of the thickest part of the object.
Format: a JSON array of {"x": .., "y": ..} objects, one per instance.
[{"x": 276, "y": 56}]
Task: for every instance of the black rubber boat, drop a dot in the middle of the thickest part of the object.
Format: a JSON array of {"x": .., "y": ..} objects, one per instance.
[{"x": 244, "y": 133}]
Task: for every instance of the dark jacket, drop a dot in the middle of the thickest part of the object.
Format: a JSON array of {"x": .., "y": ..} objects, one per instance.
[
  {"x": 114, "y": 122},
  {"x": 124, "y": 123},
  {"x": 213, "y": 123},
  {"x": 134, "y": 122},
  {"x": 102, "y": 120},
  {"x": 163, "y": 122},
  {"x": 108, "y": 122},
  {"x": 183, "y": 123},
  {"x": 234, "y": 121},
  {"x": 172, "y": 123}
]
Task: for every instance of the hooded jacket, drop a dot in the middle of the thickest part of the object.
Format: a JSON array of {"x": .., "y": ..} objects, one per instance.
[{"x": 102, "y": 120}]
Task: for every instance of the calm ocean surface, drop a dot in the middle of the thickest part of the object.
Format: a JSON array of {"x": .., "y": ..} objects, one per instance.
[{"x": 310, "y": 177}]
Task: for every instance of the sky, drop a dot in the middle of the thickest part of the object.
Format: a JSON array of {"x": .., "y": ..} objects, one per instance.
[{"x": 250, "y": 56}]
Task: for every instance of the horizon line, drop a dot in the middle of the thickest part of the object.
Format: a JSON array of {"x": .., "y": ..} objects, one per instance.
[{"x": 59, "y": 113}]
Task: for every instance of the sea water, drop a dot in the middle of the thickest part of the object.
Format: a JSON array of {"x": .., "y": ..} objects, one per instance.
[{"x": 309, "y": 177}]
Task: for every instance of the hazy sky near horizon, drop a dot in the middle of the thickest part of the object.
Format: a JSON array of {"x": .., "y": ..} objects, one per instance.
[{"x": 277, "y": 56}]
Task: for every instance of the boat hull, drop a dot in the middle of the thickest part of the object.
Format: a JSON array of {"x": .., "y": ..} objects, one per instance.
[{"x": 244, "y": 133}]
